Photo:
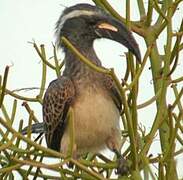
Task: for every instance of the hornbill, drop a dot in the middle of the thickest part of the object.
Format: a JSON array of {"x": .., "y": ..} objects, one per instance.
[{"x": 93, "y": 96}]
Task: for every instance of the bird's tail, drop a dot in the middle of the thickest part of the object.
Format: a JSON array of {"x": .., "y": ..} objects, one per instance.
[{"x": 35, "y": 128}]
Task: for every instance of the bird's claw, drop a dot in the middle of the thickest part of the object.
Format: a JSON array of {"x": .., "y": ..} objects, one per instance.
[{"x": 122, "y": 168}]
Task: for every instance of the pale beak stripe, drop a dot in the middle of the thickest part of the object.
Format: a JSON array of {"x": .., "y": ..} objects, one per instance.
[{"x": 107, "y": 26}]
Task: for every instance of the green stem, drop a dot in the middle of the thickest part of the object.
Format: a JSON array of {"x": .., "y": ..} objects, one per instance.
[
  {"x": 141, "y": 8},
  {"x": 71, "y": 149},
  {"x": 19, "y": 135},
  {"x": 3, "y": 89},
  {"x": 57, "y": 67},
  {"x": 42, "y": 57},
  {"x": 149, "y": 13},
  {"x": 43, "y": 80}
]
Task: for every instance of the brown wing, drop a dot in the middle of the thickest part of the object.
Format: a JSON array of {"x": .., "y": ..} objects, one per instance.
[
  {"x": 110, "y": 85},
  {"x": 57, "y": 100}
]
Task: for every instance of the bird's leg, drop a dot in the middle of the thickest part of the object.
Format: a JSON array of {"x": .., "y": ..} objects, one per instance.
[
  {"x": 113, "y": 145},
  {"x": 123, "y": 167}
]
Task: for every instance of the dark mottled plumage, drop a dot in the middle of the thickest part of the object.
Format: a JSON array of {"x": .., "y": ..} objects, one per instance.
[{"x": 57, "y": 100}]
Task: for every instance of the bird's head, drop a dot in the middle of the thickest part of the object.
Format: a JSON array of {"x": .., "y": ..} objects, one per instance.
[{"x": 83, "y": 23}]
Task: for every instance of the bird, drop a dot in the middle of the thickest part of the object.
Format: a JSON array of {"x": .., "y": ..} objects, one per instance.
[{"x": 94, "y": 98}]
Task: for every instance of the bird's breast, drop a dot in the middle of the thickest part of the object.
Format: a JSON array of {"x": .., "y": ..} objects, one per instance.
[{"x": 95, "y": 118}]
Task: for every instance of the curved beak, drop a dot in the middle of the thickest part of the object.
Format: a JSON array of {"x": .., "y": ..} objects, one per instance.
[{"x": 115, "y": 30}]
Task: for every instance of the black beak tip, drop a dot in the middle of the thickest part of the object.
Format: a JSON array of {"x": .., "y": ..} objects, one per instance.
[
  {"x": 138, "y": 56},
  {"x": 134, "y": 48}
]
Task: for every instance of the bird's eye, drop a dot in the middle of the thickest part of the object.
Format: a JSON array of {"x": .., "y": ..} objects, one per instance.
[{"x": 92, "y": 21}]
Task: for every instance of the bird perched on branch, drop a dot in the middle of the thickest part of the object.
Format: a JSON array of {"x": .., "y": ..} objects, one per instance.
[{"x": 93, "y": 96}]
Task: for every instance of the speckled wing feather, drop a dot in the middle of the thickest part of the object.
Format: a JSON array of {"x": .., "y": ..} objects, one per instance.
[
  {"x": 57, "y": 100},
  {"x": 110, "y": 85}
]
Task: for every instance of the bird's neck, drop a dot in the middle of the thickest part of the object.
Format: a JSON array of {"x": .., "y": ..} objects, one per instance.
[{"x": 74, "y": 65}]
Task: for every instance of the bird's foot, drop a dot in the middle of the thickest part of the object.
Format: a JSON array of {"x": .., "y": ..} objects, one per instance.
[
  {"x": 70, "y": 165},
  {"x": 123, "y": 167}
]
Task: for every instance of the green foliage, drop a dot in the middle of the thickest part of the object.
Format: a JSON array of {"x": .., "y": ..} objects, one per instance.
[{"x": 26, "y": 155}]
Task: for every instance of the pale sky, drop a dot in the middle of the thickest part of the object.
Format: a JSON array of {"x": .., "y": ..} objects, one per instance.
[{"x": 23, "y": 21}]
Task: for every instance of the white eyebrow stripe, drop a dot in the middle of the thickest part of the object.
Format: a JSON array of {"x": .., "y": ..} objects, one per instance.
[{"x": 75, "y": 13}]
